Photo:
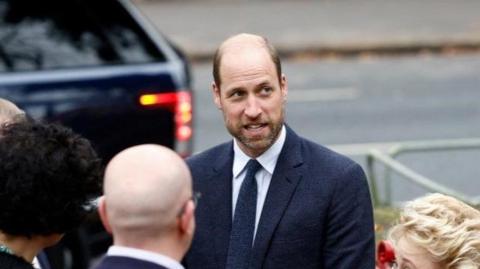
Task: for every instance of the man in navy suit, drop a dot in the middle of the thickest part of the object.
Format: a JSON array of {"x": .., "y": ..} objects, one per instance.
[
  {"x": 312, "y": 205},
  {"x": 148, "y": 207}
]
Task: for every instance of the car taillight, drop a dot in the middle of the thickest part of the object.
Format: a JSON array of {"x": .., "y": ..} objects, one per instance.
[
  {"x": 183, "y": 116},
  {"x": 179, "y": 103},
  {"x": 159, "y": 99}
]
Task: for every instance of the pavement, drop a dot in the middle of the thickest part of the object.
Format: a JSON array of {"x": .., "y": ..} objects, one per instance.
[{"x": 321, "y": 27}]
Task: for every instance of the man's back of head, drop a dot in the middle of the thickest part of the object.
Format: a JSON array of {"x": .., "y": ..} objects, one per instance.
[{"x": 147, "y": 200}]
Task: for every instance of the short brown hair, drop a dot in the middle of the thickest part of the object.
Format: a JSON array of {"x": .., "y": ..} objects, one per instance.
[{"x": 217, "y": 58}]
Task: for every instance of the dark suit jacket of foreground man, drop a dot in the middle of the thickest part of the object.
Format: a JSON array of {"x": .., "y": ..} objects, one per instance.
[
  {"x": 119, "y": 262},
  {"x": 317, "y": 213}
]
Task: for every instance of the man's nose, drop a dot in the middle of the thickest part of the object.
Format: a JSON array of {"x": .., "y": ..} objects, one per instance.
[{"x": 253, "y": 108}]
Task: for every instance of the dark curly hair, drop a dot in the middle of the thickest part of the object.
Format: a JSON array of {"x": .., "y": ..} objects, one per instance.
[{"x": 48, "y": 178}]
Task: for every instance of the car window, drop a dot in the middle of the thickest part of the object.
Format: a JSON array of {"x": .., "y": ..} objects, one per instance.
[{"x": 38, "y": 35}]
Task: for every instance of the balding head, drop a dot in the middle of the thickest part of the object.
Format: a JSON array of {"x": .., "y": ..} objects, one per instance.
[
  {"x": 239, "y": 44},
  {"x": 9, "y": 112},
  {"x": 145, "y": 189}
]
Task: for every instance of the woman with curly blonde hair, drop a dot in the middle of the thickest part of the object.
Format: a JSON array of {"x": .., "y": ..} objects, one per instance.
[{"x": 437, "y": 232}]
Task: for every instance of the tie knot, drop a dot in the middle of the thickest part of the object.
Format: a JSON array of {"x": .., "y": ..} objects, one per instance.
[{"x": 252, "y": 167}]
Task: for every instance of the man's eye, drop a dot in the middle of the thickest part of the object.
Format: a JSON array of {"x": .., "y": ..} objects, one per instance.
[
  {"x": 266, "y": 90},
  {"x": 236, "y": 94}
]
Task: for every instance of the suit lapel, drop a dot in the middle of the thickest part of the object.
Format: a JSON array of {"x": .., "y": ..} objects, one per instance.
[
  {"x": 287, "y": 174},
  {"x": 43, "y": 260},
  {"x": 220, "y": 202}
]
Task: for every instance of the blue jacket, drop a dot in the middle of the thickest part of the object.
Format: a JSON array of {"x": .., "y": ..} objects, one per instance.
[
  {"x": 317, "y": 213},
  {"x": 119, "y": 262}
]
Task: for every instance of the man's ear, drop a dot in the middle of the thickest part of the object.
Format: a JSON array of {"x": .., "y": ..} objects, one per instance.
[
  {"x": 216, "y": 95},
  {"x": 102, "y": 212},
  {"x": 187, "y": 219},
  {"x": 284, "y": 86}
]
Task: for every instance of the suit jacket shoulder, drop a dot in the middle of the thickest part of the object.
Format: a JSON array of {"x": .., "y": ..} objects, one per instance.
[
  {"x": 210, "y": 156},
  {"x": 209, "y": 162},
  {"x": 13, "y": 262},
  {"x": 325, "y": 159},
  {"x": 120, "y": 262},
  {"x": 344, "y": 188}
]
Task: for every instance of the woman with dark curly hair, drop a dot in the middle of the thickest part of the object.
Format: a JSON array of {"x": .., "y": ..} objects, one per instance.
[{"x": 48, "y": 178}]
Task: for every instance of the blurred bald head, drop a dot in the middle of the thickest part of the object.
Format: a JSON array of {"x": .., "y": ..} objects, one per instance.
[
  {"x": 241, "y": 43},
  {"x": 145, "y": 189},
  {"x": 9, "y": 112}
]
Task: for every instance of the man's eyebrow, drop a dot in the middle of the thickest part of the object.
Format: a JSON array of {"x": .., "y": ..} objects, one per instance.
[
  {"x": 264, "y": 84},
  {"x": 232, "y": 90}
]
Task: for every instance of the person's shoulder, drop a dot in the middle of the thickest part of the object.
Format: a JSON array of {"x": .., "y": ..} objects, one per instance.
[
  {"x": 211, "y": 155},
  {"x": 119, "y": 262},
  {"x": 315, "y": 152},
  {"x": 319, "y": 157},
  {"x": 326, "y": 154},
  {"x": 13, "y": 261},
  {"x": 332, "y": 165}
]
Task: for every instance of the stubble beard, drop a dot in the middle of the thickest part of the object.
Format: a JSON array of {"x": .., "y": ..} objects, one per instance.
[{"x": 255, "y": 145}]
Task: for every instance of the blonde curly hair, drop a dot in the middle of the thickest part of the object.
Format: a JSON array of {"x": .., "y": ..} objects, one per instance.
[{"x": 449, "y": 230}]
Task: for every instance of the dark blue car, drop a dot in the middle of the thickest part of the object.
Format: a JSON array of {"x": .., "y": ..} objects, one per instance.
[{"x": 100, "y": 68}]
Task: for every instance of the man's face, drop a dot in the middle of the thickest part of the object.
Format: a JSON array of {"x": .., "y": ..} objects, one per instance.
[{"x": 251, "y": 98}]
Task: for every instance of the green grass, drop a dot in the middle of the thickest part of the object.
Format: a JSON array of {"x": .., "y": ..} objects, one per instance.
[{"x": 385, "y": 217}]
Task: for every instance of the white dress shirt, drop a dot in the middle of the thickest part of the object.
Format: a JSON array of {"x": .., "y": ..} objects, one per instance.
[
  {"x": 144, "y": 255},
  {"x": 268, "y": 160},
  {"x": 36, "y": 263}
]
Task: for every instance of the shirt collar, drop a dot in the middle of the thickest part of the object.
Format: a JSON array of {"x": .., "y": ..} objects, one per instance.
[
  {"x": 144, "y": 255},
  {"x": 268, "y": 159}
]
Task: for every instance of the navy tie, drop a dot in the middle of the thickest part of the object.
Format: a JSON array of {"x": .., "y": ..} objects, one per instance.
[{"x": 243, "y": 227}]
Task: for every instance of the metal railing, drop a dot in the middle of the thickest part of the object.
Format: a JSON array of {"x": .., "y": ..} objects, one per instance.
[{"x": 392, "y": 165}]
